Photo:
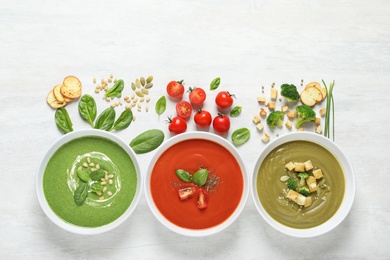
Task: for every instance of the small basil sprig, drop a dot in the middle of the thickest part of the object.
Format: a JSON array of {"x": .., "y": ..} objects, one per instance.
[
  {"x": 81, "y": 193},
  {"x": 124, "y": 120},
  {"x": 161, "y": 105},
  {"x": 87, "y": 109},
  {"x": 215, "y": 83},
  {"x": 236, "y": 111},
  {"x": 147, "y": 141},
  {"x": 105, "y": 120},
  {"x": 116, "y": 89},
  {"x": 240, "y": 136},
  {"x": 63, "y": 121},
  {"x": 183, "y": 175},
  {"x": 200, "y": 177}
]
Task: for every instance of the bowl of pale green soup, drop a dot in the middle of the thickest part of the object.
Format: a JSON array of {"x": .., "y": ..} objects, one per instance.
[
  {"x": 88, "y": 182},
  {"x": 303, "y": 184}
]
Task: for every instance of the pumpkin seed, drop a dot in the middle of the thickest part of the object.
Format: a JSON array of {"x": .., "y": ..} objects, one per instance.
[
  {"x": 284, "y": 178},
  {"x": 149, "y": 85},
  {"x": 132, "y": 86},
  {"x": 139, "y": 93},
  {"x": 142, "y": 80},
  {"x": 137, "y": 83},
  {"x": 145, "y": 91}
]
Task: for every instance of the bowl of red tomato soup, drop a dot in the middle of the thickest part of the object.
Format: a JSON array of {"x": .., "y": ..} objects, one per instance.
[{"x": 196, "y": 184}]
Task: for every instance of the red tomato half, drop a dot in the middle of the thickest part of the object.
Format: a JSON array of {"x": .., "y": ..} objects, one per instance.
[
  {"x": 221, "y": 124},
  {"x": 202, "y": 201},
  {"x": 175, "y": 89},
  {"x": 177, "y": 125},
  {"x": 184, "y": 109},
  {"x": 224, "y": 99},
  {"x": 203, "y": 118},
  {"x": 186, "y": 193},
  {"x": 197, "y": 96}
]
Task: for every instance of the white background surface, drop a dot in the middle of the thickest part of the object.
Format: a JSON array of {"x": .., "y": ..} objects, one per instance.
[{"x": 246, "y": 43}]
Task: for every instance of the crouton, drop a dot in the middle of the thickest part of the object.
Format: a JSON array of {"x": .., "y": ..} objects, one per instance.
[
  {"x": 260, "y": 127},
  {"x": 274, "y": 94},
  {"x": 292, "y": 195},
  {"x": 299, "y": 167},
  {"x": 288, "y": 124},
  {"x": 271, "y": 105},
  {"x": 300, "y": 129},
  {"x": 318, "y": 174},
  {"x": 308, "y": 202},
  {"x": 261, "y": 99},
  {"x": 301, "y": 200},
  {"x": 256, "y": 119},
  {"x": 312, "y": 183},
  {"x": 290, "y": 114},
  {"x": 284, "y": 109},
  {"x": 290, "y": 166},
  {"x": 263, "y": 113},
  {"x": 322, "y": 112},
  {"x": 265, "y": 138},
  {"x": 317, "y": 121},
  {"x": 318, "y": 129},
  {"x": 308, "y": 165}
]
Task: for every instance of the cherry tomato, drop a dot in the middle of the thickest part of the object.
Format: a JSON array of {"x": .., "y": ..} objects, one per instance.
[
  {"x": 224, "y": 99},
  {"x": 203, "y": 118},
  {"x": 221, "y": 124},
  {"x": 186, "y": 193},
  {"x": 202, "y": 201},
  {"x": 177, "y": 125},
  {"x": 197, "y": 96},
  {"x": 175, "y": 89},
  {"x": 184, "y": 109}
]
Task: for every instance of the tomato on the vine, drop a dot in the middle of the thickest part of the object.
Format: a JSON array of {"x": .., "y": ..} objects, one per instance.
[
  {"x": 177, "y": 125},
  {"x": 203, "y": 118},
  {"x": 184, "y": 109},
  {"x": 197, "y": 96},
  {"x": 221, "y": 124},
  {"x": 175, "y": 89},
  {"x": 224, "y": 99}
]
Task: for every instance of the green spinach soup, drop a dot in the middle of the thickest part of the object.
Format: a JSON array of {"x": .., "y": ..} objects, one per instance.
[
  {"x": 280, "y": 188},
  {"x": 90, "y": 181}
]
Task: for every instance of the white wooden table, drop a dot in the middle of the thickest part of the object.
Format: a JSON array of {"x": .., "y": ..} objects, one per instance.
[{"x": 248, "y": 44}]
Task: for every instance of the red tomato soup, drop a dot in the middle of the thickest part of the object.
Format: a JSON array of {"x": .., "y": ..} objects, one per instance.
[{"x": 191, "y": 155}]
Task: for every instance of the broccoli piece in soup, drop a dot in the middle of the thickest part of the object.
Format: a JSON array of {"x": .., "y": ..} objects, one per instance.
[
  {"x": 302, "y": 176},
  {"x": 304, "y": 191},
  {"x": 292, "y": 184}
]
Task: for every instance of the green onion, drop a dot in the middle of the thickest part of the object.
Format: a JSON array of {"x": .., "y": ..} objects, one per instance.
[{"x": 329, "y": 110}]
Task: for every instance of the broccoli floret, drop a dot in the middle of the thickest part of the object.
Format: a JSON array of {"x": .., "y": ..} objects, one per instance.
[
  {"x": 290, "y": 92},
  {"x": 304, "y": 114},
  {"x": 275, "y": 118},
  {"x": 302, "y": 176},
  {"x": 292, "y": 184},
  {"x": 304, "y": 191}
]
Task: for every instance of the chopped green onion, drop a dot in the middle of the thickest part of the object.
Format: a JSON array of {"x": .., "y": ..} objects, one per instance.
[{"x": 329, "y": 110}]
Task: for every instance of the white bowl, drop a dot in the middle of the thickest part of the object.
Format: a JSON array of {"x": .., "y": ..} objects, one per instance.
[
  {"x": 195, "y": 232},
  {"x": 349, "y": 193},
  {"x": 40, "y": 191}
]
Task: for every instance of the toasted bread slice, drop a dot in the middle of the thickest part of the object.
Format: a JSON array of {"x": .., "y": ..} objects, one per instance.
[
  {"x": 59, "y": 96},
  {"x": 318, "y": 86},
  {"x": 310, "y": 96},
  {"x": 323, "y": 92},
  {"x": 53, "y": 102},
  {"x": 71, "y": 87}
]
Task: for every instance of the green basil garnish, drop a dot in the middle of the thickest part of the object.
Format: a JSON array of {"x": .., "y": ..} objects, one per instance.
[
  {"x": 240, "y": 136},
  {"x": 200, "y": 177},
  {"x": 63, "y": 121},
  {"x": 97, "y": 175},
  {"x": 83, "y": 175},
  {"x": 106, "y": 119},
  {"x": 236, "y": 111},
  {"x": 81, "y": 193},
  {"x": 147, "y": 141},
  {"x": 124, "y": 120},
  {"x": 87, "y": 109},
  {"x": 183, "y": 175},
  {"x": 215, "y": 83},
  {"x": 161, "y": 105},
  {"x": 97, "y": 187},
  {"x": 116, "y": 89}
]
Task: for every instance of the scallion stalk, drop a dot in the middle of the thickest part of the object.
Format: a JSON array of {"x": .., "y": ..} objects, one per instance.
[{"x": 329, "y": 111}]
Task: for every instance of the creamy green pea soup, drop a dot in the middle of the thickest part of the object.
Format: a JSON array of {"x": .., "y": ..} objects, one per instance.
[
  {"x": 90, "y": 181},
  {"x": 272, "y": 191}
]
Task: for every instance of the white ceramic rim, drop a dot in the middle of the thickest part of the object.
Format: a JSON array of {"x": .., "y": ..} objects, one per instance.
[
  {"x": 349, "y": 194},
  {"x": 39, "y": 183},
  {"x": 196, "y": 232}
]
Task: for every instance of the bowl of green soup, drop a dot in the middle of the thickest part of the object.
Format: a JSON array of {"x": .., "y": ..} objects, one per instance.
[
  {"x": 88, "y": 182},
  {"x": 303, "y": 184}
]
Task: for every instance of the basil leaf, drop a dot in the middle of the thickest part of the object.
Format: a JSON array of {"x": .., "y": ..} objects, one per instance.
[
  {"x": 97, "y": 175},
  {"x": 200, "y": 177},
  {"x": 83, "y": 175},
  {"x": 183, "y": 175},
  {"x": 147, "y": 141},
  {"x": 124, "y": 120},
  {"x": 240, "y": 136},
  {"x": 116, "y": 89},
  {"x": 236, "y": 111},
  {"x": 63, "y": 121},
  {"x": 87, "y": 109},
  {"x": 106, "y": 119},
  {"x": 81, "y": 193},
  {"x": 215, "y": 83},
  {"x": 96, "y": 187},
  {"x": 161, "y": 105}
]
